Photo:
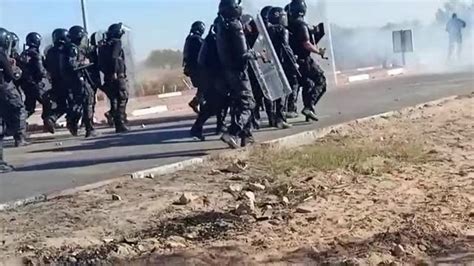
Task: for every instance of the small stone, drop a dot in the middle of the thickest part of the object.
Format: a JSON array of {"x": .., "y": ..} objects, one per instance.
[
  {"x": 237, "y": 167},
  {"x": 245, "y": 208},
  {"x": 71, "y": 259},
  {"x": 266, "y": 183},
  {"x": 108, "y": 240},
  {"x": 304, "y": 210},
  {"x": 59, "y": 144},
  {"x": 116, "y": 197},
  {"x": 235, "y": 188},
  {"x": 266, "y": 215},
  {"x": 422, "y": 247},
  {"x": 382, "y": 139},
  {"x": 124, "y": 250},
  {"x": 256, "y": 187},
  {"x": 131, "y": 241},
  {"x": 191, "y": 236},
  {"x": 176, "y": 242},
  {"x": 186, "y": 198},
  {"x": 250, "y": 195},
  {"x": 143, "y": 126},
  {"x": 150, "y": 176},
  {"x": 398, "y": 251},
  {"x": 286, "y": 201}
]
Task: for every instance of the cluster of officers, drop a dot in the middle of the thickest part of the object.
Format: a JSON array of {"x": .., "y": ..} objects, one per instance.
[
  {"x": 75, "y": 67},
  {"x": 218, "y": 65}
]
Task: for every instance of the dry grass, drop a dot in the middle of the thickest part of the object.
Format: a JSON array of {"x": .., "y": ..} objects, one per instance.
[
  {"x": 367, "y": 157},
  {"x": 157, "y": 81}
]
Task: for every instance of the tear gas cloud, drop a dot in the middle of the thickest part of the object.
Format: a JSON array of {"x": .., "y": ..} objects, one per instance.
[{"x": 358, "y": 47}]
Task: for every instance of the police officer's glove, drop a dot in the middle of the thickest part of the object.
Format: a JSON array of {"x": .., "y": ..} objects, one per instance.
[
  {"x": 17, "y": 73},
  {"x": 322, "y": 53}
]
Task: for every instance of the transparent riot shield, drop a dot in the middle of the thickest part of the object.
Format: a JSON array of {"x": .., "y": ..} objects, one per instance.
[
  {"x": 129, "y": 54},
  {"x": 270, "y": 74}
]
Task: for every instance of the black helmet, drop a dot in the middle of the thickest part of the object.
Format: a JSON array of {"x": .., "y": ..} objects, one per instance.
[
  {"x": 297, "y": 8},
  {"x": 5, "y": 39},
  {"x": 115, "y": 31},
  {"x": 77, "y": 34},
  {"x": 96, "y": 38},
  {"x": 198, "y": 28},
  {"x": 264, "y": 13},
  {"x": 277, "y": 16},
  {"x": 15, "y": 40},
  {"x": 230, "y": 8},
  {"x": 60, "y": 36},
  {"x": 33, "y": 39}
]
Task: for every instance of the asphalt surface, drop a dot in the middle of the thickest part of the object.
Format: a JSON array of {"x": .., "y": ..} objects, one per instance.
[{"x": 54, "y": 164}]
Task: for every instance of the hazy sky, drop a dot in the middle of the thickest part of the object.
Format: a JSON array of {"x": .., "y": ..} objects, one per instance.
[{"x": 165, "y": 23}]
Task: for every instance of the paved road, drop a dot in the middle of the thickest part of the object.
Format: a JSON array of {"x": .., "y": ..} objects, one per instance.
[{"x": 46, "y": 167}]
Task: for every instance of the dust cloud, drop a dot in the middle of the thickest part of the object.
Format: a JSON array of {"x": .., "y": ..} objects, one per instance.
[{"x": 361, "y": 47}]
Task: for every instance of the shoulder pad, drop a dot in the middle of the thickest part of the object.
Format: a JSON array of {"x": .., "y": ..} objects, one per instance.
[
  {"x": 73, "y": 50},
  {"x": 235, "y": 25}
]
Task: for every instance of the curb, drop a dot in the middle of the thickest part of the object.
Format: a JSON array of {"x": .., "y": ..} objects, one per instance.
[
  {"x": 35, "y": 130},
  {"x": 369, "y": 76},
  {"x": 296, "y": 140}
]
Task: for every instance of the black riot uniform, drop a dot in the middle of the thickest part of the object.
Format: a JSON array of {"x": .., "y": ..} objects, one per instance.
[
  {"x": 59, "y": 98},
  {"x": 16, "y": 120},
  {"x": 215, "y": 91},
  {"x": 279, "y": 35},
  {"x": 192, "y": 70},
  {"x": 235, "y": 55},
  {"x": 31, "y": 64},
  {"x": 313, "y": 80},
  {"x": 80, "y": 81},
  {"x": 112, "y": 65},
  {"x": 95, "y": 43},
  {"x": 11, "y": 104}
]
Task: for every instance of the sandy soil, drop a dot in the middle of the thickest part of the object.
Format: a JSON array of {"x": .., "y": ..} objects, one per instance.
[{"x": 391, "y": 191}]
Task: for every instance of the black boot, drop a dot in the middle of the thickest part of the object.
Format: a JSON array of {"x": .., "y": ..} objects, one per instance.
[
  {"x": 196, "y": 133},
  {"x": 283, "y": 125},
  {"x": 230, "y": 140},
  {"x": 109, "y": 118},
  {"x": 91, "y": 133},
  {"x": 121, "y": 128},
  {"x": 5, "y": 168},
  {"x": 20, "y": 140},
  {"x": 73, "y": 129},
  {"x": 49, "y": 125},
  {"x": 309, "y": 114},
  {"x": 247, "y": 141}
]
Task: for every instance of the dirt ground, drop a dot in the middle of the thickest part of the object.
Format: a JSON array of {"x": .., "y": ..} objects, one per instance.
[{"x": 391, "y": 191}]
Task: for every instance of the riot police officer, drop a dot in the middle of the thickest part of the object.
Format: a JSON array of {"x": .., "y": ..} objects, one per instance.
[
  {"x": 313, "y": 80},
  {"x": 191, "y": 50},
  {"x": 235, "y": 55},
  {"x": 279, "y": 36},
  {"x": 17, "y": 117},
  {"x": 80, "y": 80},
  {"x": 215, "y": 92},
  {"x": 112, "y": 64},
  {"x": 59, "y": 97},
  {"x": 10, "y": 99},
  {"x": 31, "y": 64},
  {"x": 96, "y": 41}
]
